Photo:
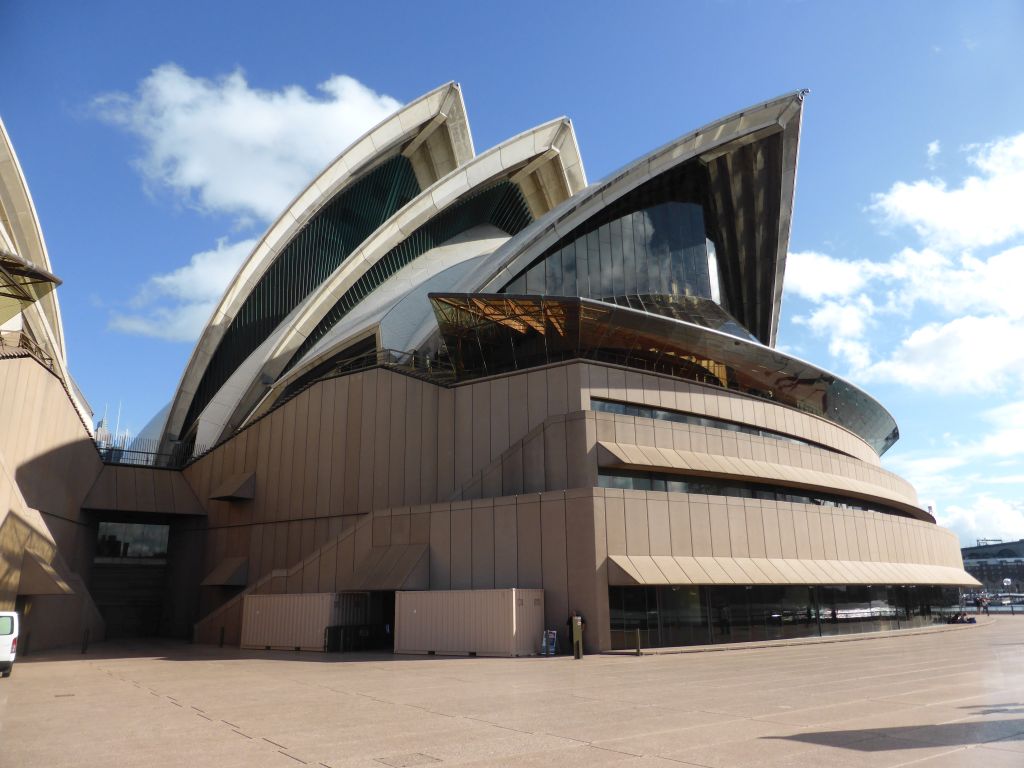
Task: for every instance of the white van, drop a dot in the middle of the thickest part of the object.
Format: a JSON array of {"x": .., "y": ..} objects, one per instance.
[{"x": 8, "y": 642}]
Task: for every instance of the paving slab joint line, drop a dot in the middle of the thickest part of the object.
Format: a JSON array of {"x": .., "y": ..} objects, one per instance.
[
  {"x": 919, "y": 760},
  {"x": 796, "y": 641},
  {"x": 616, "y": 751},
  {"x": 498, "y": 725},
  {"x": 293, "y": 757},
  {"x": 681, "y": 762}
]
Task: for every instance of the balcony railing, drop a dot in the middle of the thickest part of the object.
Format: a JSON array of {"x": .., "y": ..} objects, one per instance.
[
  {"x": 133, "y": 451},
  {"x": 16, "y": 342}
]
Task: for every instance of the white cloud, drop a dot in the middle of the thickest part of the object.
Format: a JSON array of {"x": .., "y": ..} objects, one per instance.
[
  {"x": 176, "y": 306},
  {"x": 227, "y": 147},
  {"x": 967, "y": 473},
  {"x": 972, "y": 354},
  {"x": 845, "y": 325},
  {"x": 1005, "y": 480},
  {"x": 984, "y": 517},
  {"x": 979, "y": 349},
  {"x": 999, "y": 441},
  {"x": 1007, "y": 436},
  {"x": 816, "y": 276},
  {"x": 942, "y": 318},
  {"x": 957, "y": 286},
  {"x": 984, "y": 210}
]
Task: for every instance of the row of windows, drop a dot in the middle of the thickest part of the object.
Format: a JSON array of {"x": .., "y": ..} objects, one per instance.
[
  {"x": 657, "y": 250},
  {"x": 708, "y": 486},
  {"x": 697, "y": 615},
  {"x": 663, "y": 414}
]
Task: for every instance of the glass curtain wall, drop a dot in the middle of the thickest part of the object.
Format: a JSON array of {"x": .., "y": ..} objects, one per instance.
[
  {"x": 485, "y": 334},
  {"x": 666, "y": 616},
  {"x": 661, "y": 249}
]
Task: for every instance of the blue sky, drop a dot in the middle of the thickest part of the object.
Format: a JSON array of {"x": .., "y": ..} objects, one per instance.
[{"x": 159, "y": 139}]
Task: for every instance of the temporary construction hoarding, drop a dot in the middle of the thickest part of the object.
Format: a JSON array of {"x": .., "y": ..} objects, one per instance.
[
  {"x": 484, "y": 622},
  {"x": 289, "y": 622}
]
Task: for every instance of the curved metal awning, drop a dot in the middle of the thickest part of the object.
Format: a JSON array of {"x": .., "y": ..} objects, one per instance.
[
  {"x": 487, "y": 334},
  {"x": 642, "y": 570}
]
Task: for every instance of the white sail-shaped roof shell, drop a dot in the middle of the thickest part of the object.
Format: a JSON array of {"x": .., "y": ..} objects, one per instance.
[
  {"x": 546, "y": 165},
  {"x": 432, "y": 131}
]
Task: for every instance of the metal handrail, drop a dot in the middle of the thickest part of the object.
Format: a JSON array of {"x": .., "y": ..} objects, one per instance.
[{"x": 22, "y": 341}]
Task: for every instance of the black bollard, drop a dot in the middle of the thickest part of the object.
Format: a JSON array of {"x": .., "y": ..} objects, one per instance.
[
  {"x": 85, "y": 640},
  {"x": 638, "y": 641},
  {"x": 222, "y": 637}
]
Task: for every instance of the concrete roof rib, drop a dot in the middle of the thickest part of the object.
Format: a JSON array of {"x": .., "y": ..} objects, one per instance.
[{"x": 413, "y": 131}]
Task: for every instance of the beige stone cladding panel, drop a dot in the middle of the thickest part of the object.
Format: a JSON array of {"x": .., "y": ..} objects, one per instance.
[
  {"x": 48, "y": 452},
  {"x": 47, "y": 465},
  {"x": 714, "y": 539},
  {"x": 520, "y": 433},
  {"x": 615, "y": 383},
  {"x": 142, "y": 489},
  {"x": 560, "y": 452},
  {"x": 548, "y": 540},
  {"x": 338, "y": 450},
  {"x": 553, "y": 541}
]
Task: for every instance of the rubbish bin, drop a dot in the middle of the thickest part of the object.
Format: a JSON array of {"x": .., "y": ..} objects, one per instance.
[{"x": 333, "y": 638}]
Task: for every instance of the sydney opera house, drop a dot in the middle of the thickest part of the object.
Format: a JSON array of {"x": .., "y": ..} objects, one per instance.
[{"x": 445, "y": 370}]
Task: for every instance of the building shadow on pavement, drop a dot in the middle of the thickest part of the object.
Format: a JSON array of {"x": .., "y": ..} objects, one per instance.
[{"x": 959, "y": 734}]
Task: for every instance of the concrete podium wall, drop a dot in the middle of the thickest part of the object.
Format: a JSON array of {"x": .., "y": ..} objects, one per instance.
[
  {"x": 47, "y": 465},
  {"x": 498, "y": 477}
]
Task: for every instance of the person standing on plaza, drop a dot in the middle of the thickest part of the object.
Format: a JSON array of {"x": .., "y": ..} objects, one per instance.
[{"x": 576, "y": 624}]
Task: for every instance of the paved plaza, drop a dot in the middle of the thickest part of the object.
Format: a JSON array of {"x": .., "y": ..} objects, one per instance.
[{"x": 946, "y": 698}]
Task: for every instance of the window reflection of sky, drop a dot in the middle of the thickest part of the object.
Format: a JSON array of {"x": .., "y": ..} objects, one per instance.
[
  {"x": 131, "y": 541},
  {"x": 662, "y": 249}
]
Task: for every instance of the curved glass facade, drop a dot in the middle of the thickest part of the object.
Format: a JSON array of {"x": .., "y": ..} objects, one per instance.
[
  {"x": 491, "y": 333},
  {"x": 305, "y": 262},
  {"x": 702, "y": 615},
  {"x": 660, "y": 249}
]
